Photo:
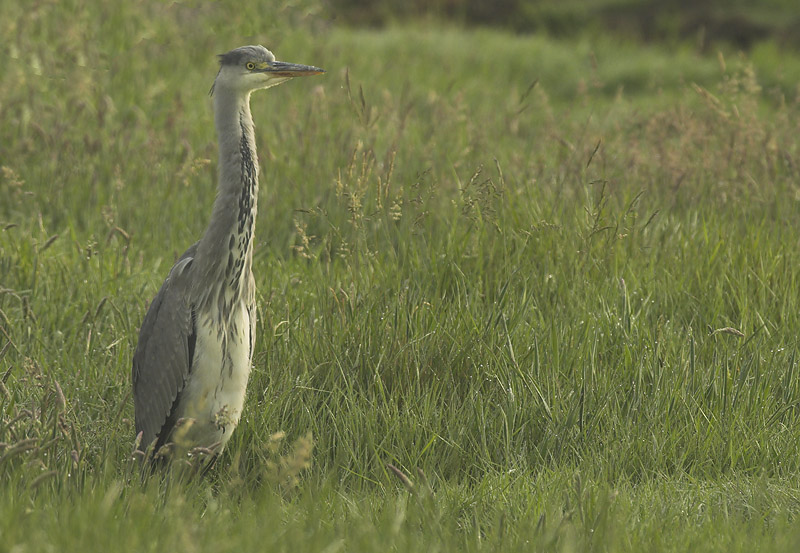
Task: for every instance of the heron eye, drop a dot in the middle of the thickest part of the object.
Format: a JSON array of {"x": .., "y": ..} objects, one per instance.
[{"x": 250, "y": 65}]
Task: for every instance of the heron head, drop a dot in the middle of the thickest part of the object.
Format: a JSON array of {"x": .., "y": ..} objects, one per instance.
[{"x": 250, "y": 68}]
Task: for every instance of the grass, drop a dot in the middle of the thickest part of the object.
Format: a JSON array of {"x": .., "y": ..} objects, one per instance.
[{"x": 554, "y": 283}]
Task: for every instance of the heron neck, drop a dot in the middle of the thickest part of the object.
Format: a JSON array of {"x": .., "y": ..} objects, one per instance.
[{"x": 226, "y": 250}]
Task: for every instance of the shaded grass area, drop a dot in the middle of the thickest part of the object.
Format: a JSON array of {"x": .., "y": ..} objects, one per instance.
[
  {"x": 707, "y": 25},
  {"x": 559, "y": 278}
]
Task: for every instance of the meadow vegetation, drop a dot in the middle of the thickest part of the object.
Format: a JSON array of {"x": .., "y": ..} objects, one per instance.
[{"x": 554, "y": 283}]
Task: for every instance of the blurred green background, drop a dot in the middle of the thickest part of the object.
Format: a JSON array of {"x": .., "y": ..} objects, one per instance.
[{"x": 740, "y": 23}]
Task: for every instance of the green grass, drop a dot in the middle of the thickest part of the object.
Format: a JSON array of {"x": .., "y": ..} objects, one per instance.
[{"x": 555, "y": 283}]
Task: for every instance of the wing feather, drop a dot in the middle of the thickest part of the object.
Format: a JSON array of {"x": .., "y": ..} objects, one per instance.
[{"x": 163, "y": 357}]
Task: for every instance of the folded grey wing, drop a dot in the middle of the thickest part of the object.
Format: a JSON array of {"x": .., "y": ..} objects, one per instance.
[{"x": 163, "y": 357}]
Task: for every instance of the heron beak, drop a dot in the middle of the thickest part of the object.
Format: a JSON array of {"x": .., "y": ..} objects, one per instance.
[{"x": 283, "y": 69}]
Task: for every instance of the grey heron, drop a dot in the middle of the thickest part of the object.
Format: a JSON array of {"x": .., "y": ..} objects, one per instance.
[{"x": 192, "y": 361}]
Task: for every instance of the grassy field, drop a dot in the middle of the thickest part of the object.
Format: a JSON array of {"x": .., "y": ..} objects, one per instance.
[{"x": 557, "y": 284}]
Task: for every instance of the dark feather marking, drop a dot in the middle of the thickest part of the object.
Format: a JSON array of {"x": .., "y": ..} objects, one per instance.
[
  {"x": 245, "y": 215},
  {"x": 250, "y": 335},
  {"x": 192, "y": 338},
  {"x": 245, "y": 53}
]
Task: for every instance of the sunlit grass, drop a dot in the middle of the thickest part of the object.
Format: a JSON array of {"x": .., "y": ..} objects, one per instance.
[{"x": 555, "y": 284}]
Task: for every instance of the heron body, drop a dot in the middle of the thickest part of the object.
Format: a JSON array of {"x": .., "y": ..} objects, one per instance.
[{"x": 193, "y": 358}]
